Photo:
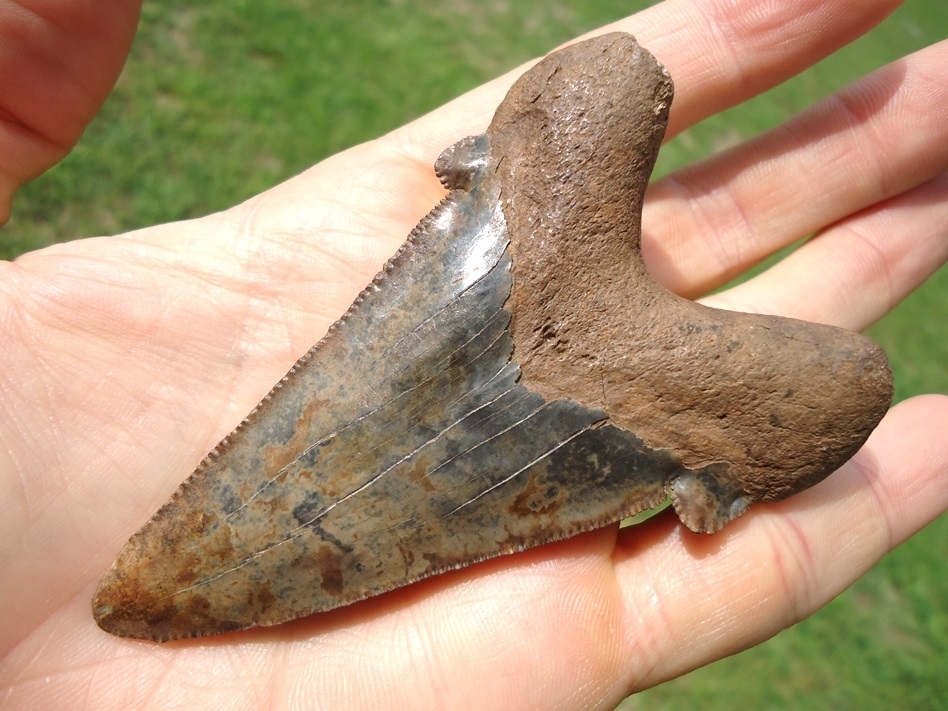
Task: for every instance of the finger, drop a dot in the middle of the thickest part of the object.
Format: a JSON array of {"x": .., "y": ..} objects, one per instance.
[
  {"x": 757, "y": 56},
  {"x": 783, "y": 561},
  {"x": 718, "y": 54},
  {"x": 722, "y": 53},
  {"x": 874, "y": 139},
  {"x": 857, "y": 270},
  {"x": 58, "y": 62}
]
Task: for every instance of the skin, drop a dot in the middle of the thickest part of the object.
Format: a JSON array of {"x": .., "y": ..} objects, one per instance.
[{"x": 126, "y": 359}]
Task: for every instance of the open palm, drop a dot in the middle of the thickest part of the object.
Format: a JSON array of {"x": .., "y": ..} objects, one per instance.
[{"x": 126, "y": 359}]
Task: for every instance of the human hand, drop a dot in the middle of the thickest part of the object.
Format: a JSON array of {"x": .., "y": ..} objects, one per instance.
[
  {"x": 128, "y": 358},
  {"x": 58, "y": 62}
]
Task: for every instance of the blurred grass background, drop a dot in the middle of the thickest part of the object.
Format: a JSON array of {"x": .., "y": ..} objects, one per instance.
[{"x": 221, "y": 100}]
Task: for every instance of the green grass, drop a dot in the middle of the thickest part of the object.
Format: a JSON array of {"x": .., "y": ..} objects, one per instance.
[{"x": 221, "y": 100}]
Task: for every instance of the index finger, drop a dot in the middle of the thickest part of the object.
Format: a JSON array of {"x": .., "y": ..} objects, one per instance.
[{"x": 718, "y": 53}]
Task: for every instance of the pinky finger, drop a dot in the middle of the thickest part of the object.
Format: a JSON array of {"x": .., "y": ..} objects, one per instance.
[{"x": 783, "y": 561}]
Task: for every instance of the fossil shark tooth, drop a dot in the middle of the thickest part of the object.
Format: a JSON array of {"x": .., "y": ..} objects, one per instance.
[{"x": 511, "y": 378}]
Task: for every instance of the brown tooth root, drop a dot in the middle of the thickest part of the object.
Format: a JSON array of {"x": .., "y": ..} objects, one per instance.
[
  {"x": 512, "y": 377},
  {"x": 771, "y": 404}
]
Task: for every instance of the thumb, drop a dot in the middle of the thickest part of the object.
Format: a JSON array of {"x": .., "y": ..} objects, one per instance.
[{"x": 58, "y": 61}]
